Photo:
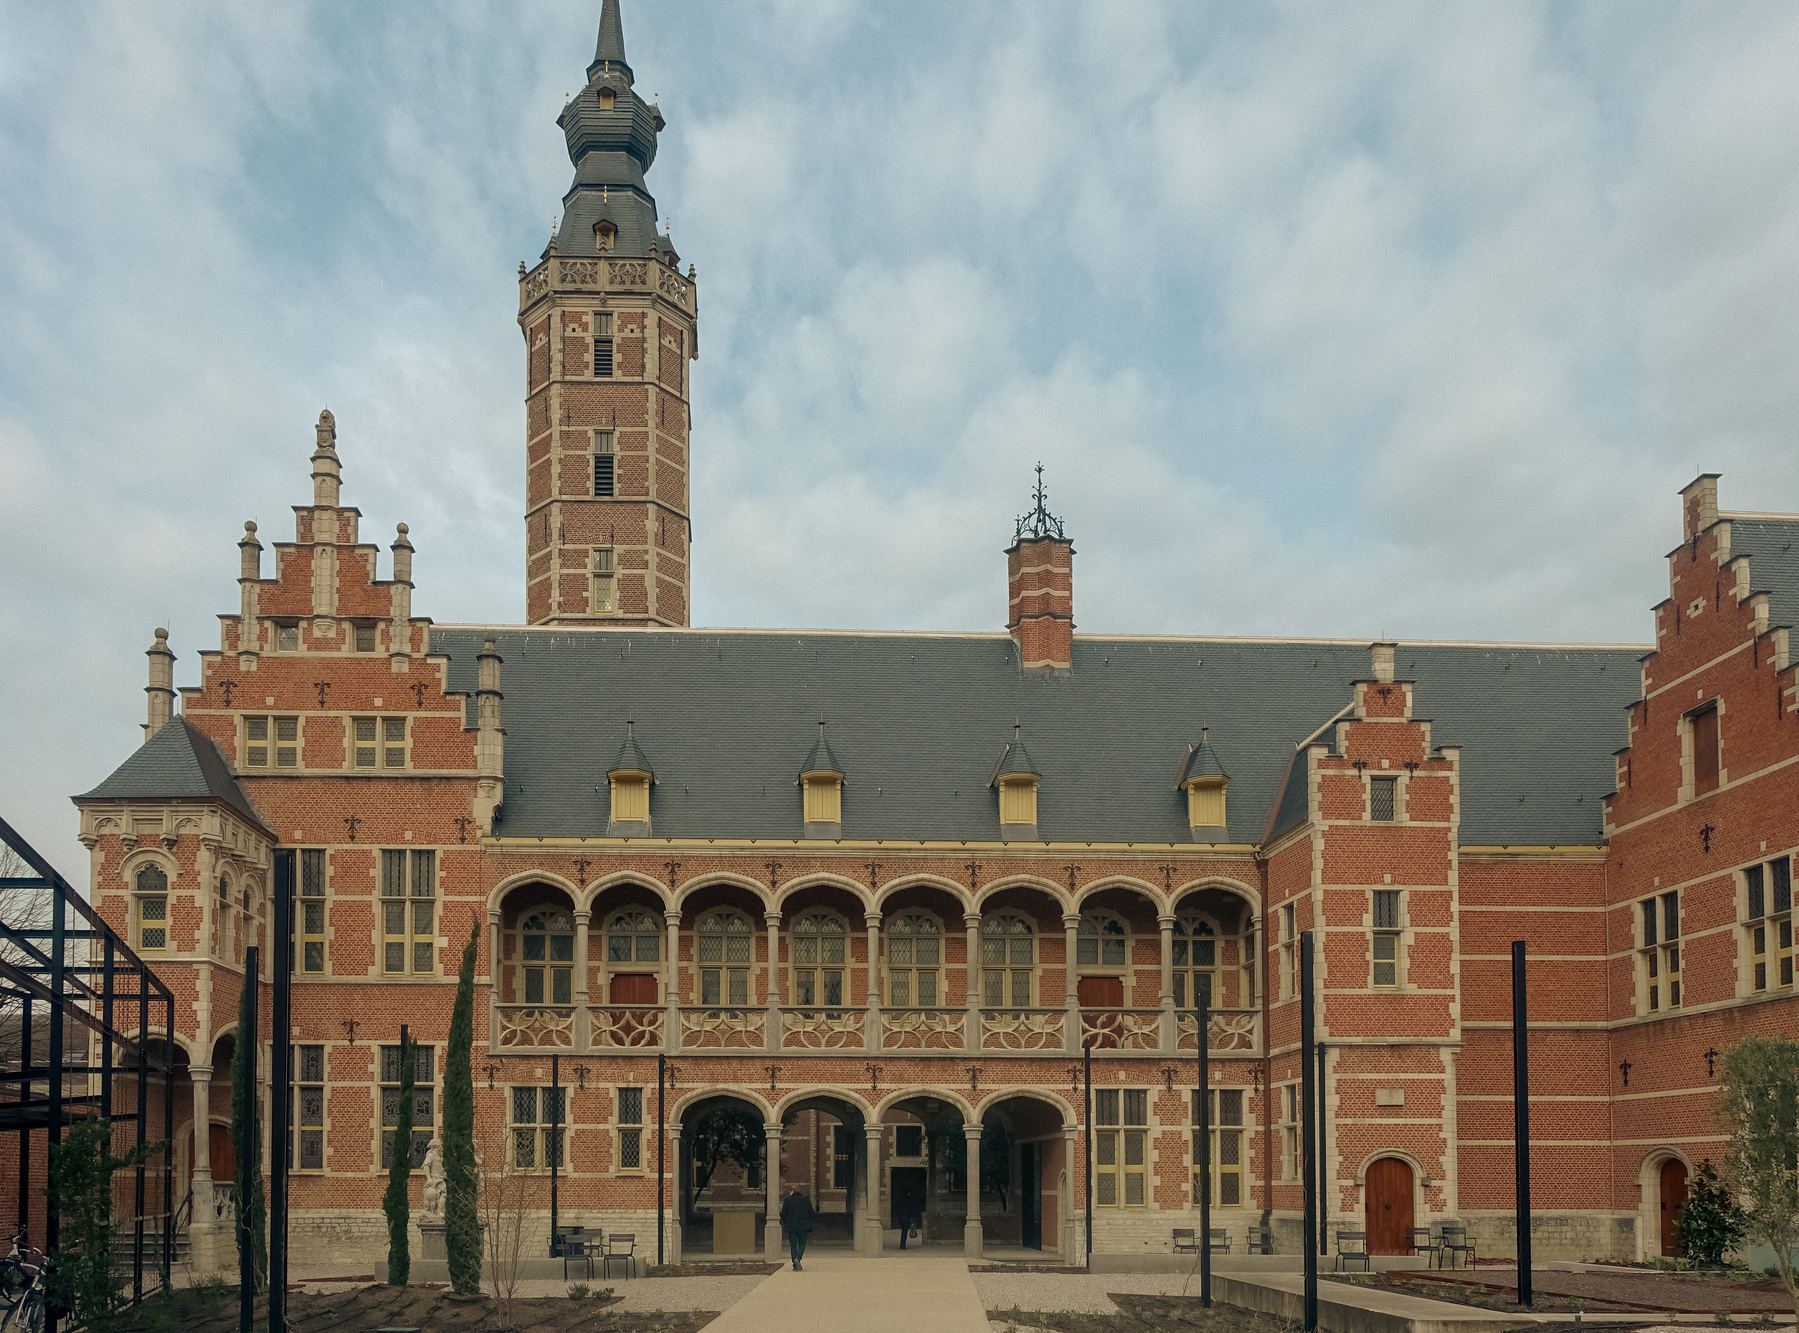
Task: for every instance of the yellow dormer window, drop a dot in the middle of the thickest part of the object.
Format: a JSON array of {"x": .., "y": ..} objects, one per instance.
[
  {"x": 824, "y": 797},
  {"x": 1205, "y": 802},
  {"x": 605, "y": 236},
  {"x": 1018, "y": 798},
  {"x": 608, "y": 99},
  {"x": 630, "y": 797}
]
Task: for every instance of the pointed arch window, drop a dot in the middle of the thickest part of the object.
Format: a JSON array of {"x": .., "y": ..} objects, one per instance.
[
  {"x": 547, "y": 957},
  {"x": 914, "y": 955},
  {"x": 152, "y": 885},
  {"x": 634, "y": 936},
  {"x": 820, "y": 948},
  {"x": 723, "y": 950},
  {"x": 1008, "y": 961},
  {"x": 1195, "y": 962},
  {"x": 1103, "y": 941}
]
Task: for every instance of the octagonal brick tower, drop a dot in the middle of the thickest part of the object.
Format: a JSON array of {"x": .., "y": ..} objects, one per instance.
[{"x": 610, "y": 324}]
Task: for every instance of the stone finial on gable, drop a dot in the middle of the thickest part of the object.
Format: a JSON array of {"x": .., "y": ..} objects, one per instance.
[
  {"x": 161, "y": 689},
  {"x": 1383, "y": 661},
  {"x": 1698, "y": 505},
  {"x": 327, "y": 472}
]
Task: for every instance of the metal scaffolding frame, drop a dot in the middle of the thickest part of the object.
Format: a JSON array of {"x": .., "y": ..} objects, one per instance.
[{"x": 77, "y": 968}]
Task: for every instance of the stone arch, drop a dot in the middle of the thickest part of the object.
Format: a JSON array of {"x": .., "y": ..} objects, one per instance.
[
  {"x": 1249, "y": 894},
  {"x": 584, "y": 899},
  {"x": 831, "y": 1091},
  {"x": 994, "y": 1097},
  {"x": 692, "y": 886},
  {"x": 891, "y": 1099},
  {"x": 823, "y": 879},
  {"x": 496, "y": 896},
  {"x": 1420, "y": 1174},
  {"x": 693, "y": 1097},
  {"x": 1047, "y": 887},
  {"x": 897, "y": 885},
  {"x": 1128, "y": 882}
]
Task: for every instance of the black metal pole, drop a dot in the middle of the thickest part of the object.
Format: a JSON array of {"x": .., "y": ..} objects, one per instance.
[
  {"x": 1309, "y": 1128},
  {"x": 106, "y": 1058},
  {"x": 168, "y": 1145},
  {"x": 25, "y": 1125},
  {"x": 281, "y": 1073},
  {"x": 1203, "y": 1149},
  {"x": 1087, "y": 1143},
  {"x": 143, "y": 1132},
  {"x": 53, "y": 1131},
  {"x": 1324, "y": 1188},
  {"x": 246, "y": 1262},
  {"x": 661, "y": 1158},
  {"x": 1521, "y": 1117},
  {"x": 555, "y": 1144}
]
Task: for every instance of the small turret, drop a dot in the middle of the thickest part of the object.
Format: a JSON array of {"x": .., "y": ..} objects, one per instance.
[
  {"x": 1040, "y": 587},
  {"x": 327, "y": 472},
  {"x": 161, "y": 689}
]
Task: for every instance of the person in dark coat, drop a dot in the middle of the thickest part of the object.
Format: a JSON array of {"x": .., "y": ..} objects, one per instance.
[{"x": 796, "y": 1221}]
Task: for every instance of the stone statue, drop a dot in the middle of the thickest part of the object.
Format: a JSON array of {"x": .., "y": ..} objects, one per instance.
[{"x": 434, "y": 1179}]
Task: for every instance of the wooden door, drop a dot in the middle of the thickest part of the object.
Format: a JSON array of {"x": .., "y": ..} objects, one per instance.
[
  {"x": 218, "y": 1139},
  {"x": 1674, "y": 1196},
  {"x": 1389, "y": 1207},
  {"x": 1100, "y": 993},
  {"x": 629, "y": 1027}
]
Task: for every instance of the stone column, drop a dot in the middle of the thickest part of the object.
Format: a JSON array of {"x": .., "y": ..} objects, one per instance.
[
  {"x": 972, "y": 981},
  {"x": 771, "y": 1031},
  {"x": 771, "y": 1226},
  {"x": 1073, "y": 1251},
  {"x": 971, "y": 1229},
  {"x": 493, "y": 977},
  {"x": 674, "y": 1194},
  {"x": 1170, "y": 1034},
  {"x": 1071, "y": 930},
  {"x": 871, "y": 1028},
  {"x": 671, "y": 984},
  {"x": 873, "y": 1134},
  {"x": 583, "y": 1015},
  {"x": 203, "y": 1215}
]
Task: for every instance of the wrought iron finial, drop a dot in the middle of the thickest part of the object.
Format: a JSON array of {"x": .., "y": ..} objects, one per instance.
[{"x": 1039, "y": 522}]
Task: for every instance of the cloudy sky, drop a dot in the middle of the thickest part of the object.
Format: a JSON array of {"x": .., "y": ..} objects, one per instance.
[{"x": 1374, "y": 320}]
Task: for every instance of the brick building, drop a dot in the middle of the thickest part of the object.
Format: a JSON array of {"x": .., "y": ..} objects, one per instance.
[{"x": 878, "y": 891}]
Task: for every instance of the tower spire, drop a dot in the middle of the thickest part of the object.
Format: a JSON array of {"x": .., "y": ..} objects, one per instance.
[{"x": 610, "y": 49}]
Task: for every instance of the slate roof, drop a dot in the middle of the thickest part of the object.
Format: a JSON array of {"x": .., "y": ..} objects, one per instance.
[
  {"x": 821, "y": 758},
  {"x": 915, "y": 719},
  {"x": 1772, "y": 545},
  {"x": 178, "y": 763}
]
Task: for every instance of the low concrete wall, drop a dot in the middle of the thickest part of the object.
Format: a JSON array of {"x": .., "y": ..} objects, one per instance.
[
  {"x": 1576, "y": 1237},
  {"x": 1337, "y": 1315},
  {"x": 1234, "y": 1263}
]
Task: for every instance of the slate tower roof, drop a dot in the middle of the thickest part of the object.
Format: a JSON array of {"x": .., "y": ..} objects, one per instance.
[{"x": 611, "y": 134}]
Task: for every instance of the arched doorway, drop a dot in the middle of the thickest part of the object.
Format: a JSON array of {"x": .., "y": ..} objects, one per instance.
[
  {"x": 1672, "y": 1195},
  {"x": 824, "y": 1153},
  {"x": 722, "y": 1191},
  {"x": 1387, "y": 1208},
  {"x": 924, "y": 1168},
  {"x": 1023, "y": 1160}
]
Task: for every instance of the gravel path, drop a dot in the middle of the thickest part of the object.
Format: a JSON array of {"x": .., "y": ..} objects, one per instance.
[{"x": 1085, "y": 1292}]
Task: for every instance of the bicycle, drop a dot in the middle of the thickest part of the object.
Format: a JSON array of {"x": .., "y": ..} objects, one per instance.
[{"x": 22, "y": 1289}]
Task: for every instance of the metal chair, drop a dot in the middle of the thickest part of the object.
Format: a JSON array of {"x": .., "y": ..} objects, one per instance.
[
  {"x": 580, "y": 1251},
  {"x": 1219, "y": 1242},
  {"x": 1184, "y": 1241},
  {"x": 561, "y": 1236},
  {"x": 1261, "y": 1241},
  {"x": 1353, "y": 1245},
  {"x": 619, "y": 1247},
  {"x": 1423, "y": 1242},
  {"x": 1455, "y": 1242}
]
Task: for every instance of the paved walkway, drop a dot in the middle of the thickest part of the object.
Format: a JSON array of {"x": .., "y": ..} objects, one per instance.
[{"x": 899, "y": 1293}]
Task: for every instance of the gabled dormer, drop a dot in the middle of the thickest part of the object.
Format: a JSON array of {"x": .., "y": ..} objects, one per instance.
[
  {"x": 630, "y": 779},
  {"x": 1016, "y": 778},
  {"x": 821, "y": 790}
]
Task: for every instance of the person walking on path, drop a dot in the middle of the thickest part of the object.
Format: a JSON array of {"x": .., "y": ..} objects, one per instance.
[
  {"x": 796, "y": 1221},
  {"x": 908, "y": 1218}
]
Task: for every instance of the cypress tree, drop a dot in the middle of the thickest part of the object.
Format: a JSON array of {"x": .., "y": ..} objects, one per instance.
[
  {"x": 246, "y": 1143},
  {"x": 395, "y": 1203},
  {"x": 462, "y": 1228}
]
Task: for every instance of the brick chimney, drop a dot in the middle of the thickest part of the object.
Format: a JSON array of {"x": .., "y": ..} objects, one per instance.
[{"x": 1040, "y": 588}]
